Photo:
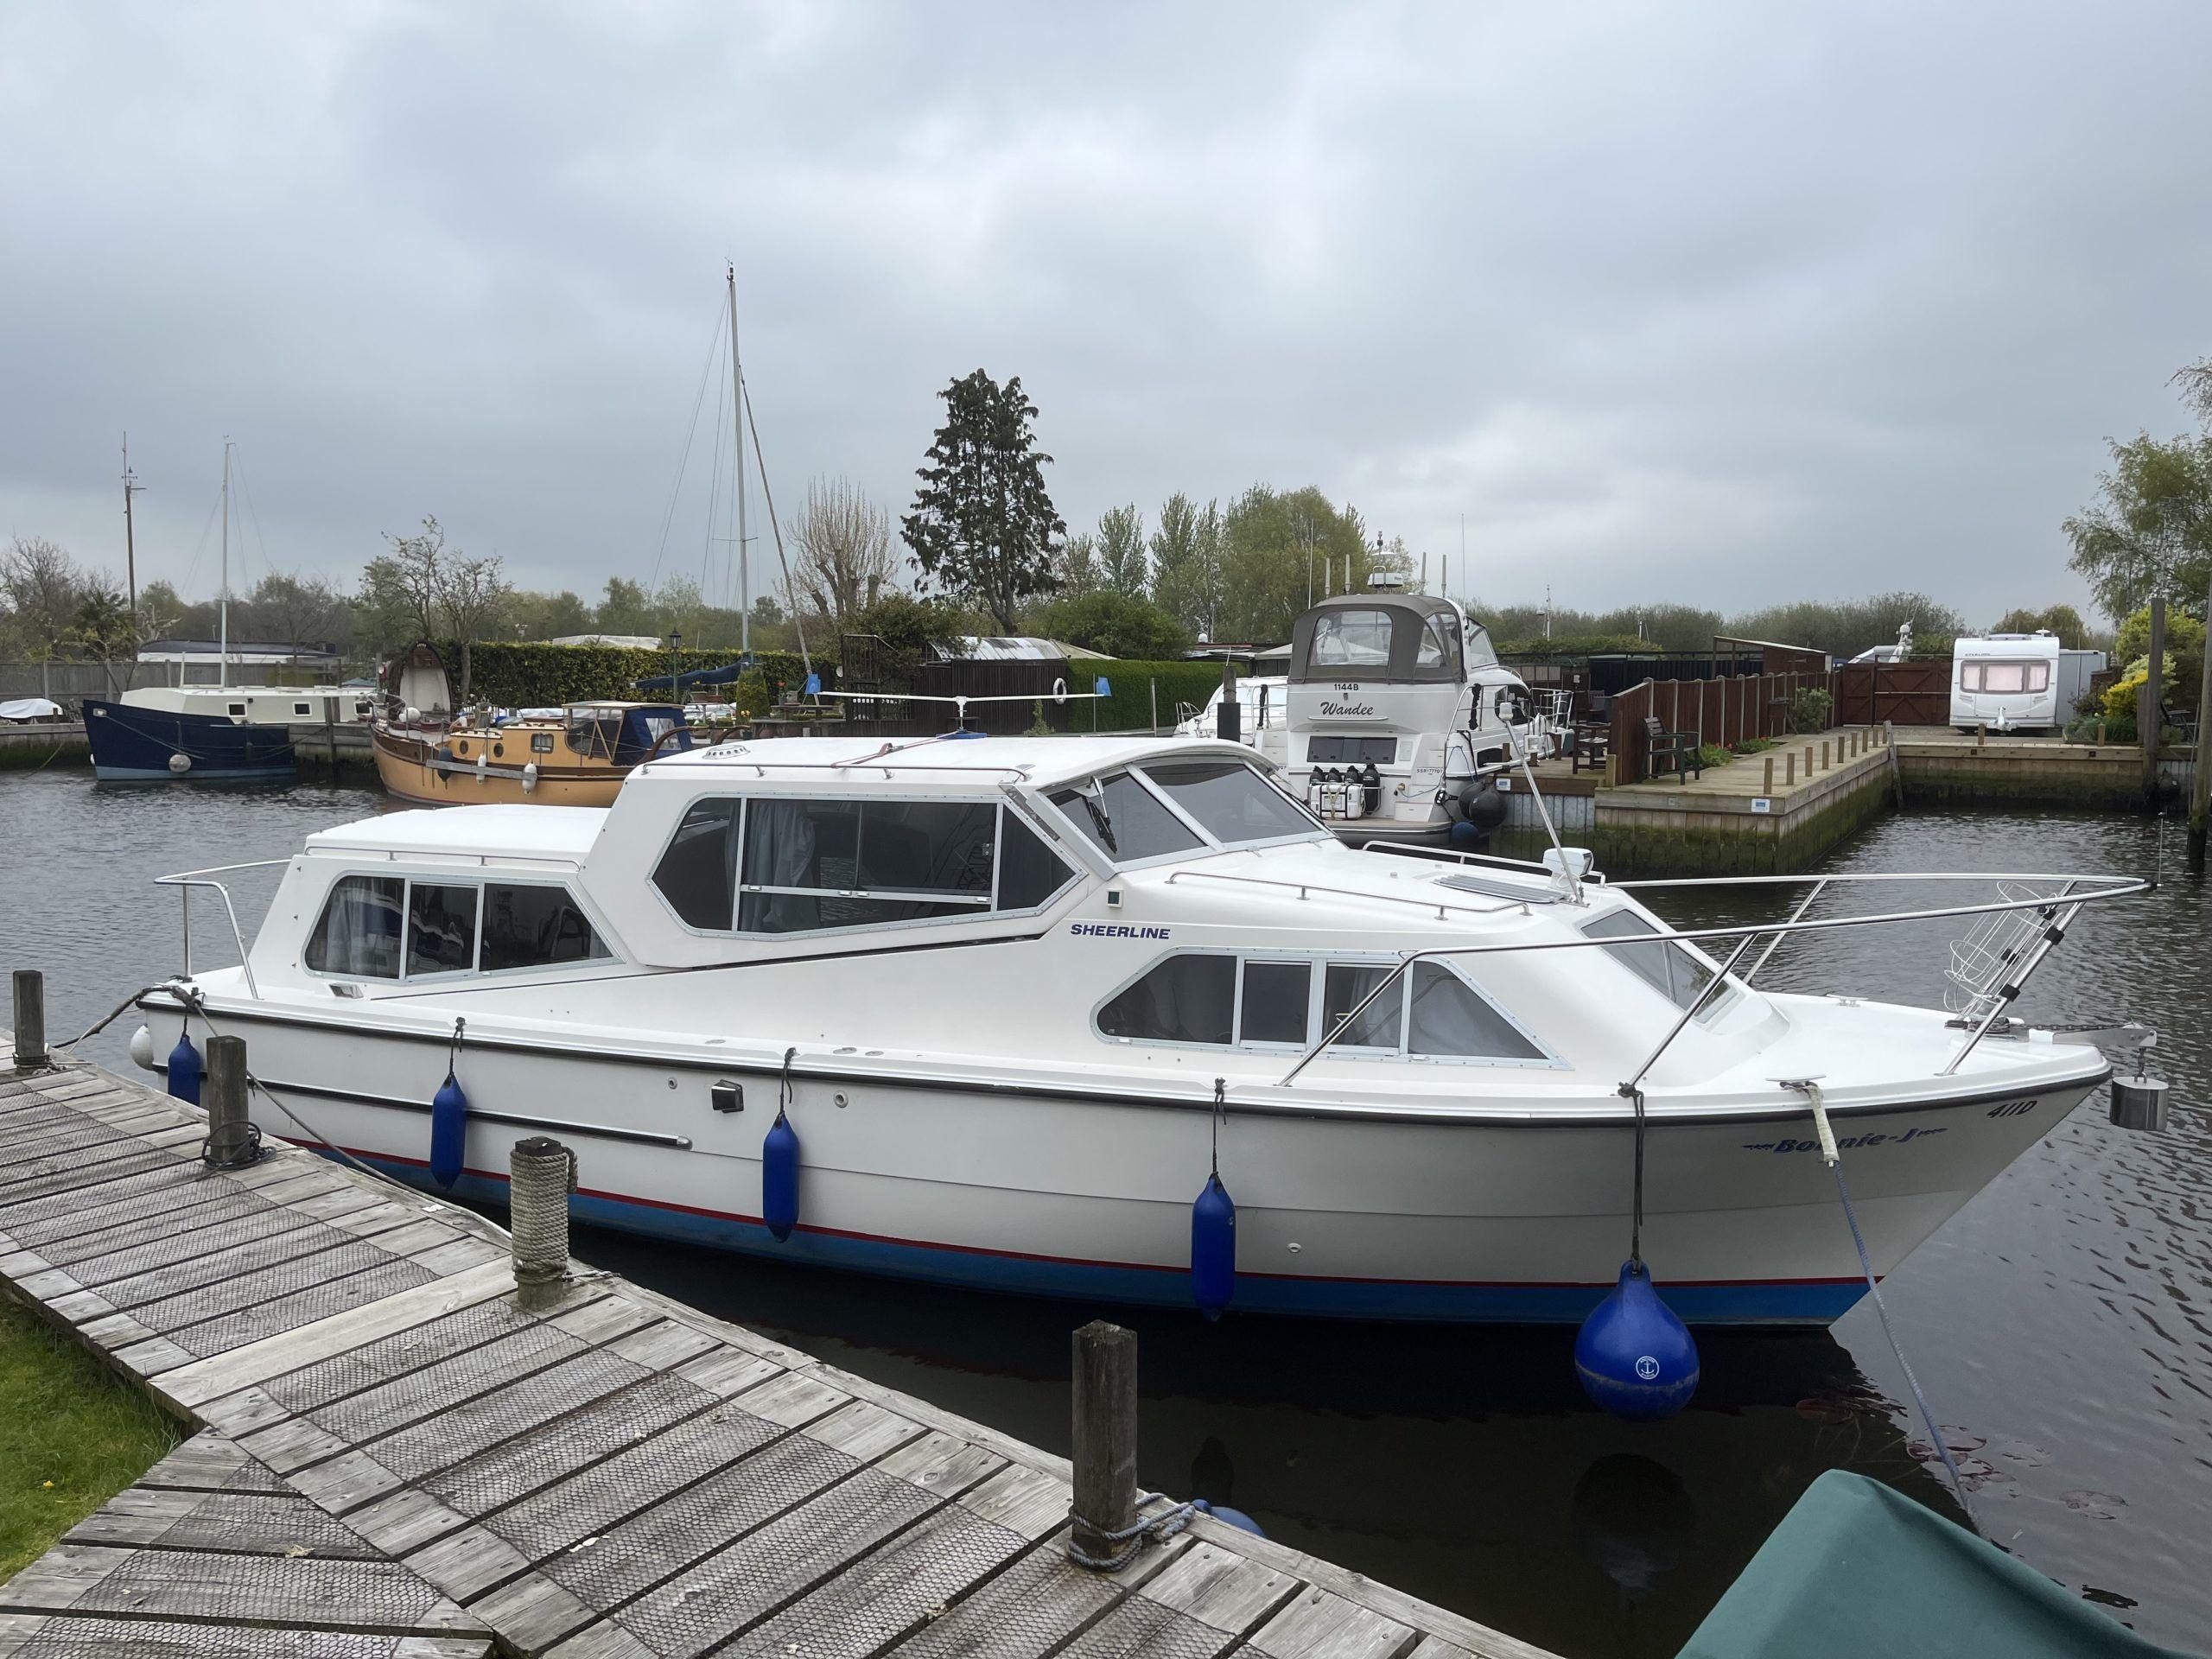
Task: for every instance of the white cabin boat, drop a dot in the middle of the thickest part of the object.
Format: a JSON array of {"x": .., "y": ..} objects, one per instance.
[
  {"x": 1398, "y": 708},
  {"x": 1001, "y": 987}
]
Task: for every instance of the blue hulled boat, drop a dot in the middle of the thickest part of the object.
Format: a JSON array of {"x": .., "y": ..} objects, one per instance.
[{"x": 208, "y": 732}]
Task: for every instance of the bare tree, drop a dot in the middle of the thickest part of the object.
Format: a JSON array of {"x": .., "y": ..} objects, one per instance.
[
  {"x": 474, "y": 594},
  {"x": 438, "y": 592},
  {"x": 842, "y": 545},
  {"x": 297, "y": 610},
  {"x": 42, "y": 587}
]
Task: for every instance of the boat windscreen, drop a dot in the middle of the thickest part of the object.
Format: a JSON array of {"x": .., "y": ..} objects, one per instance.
[
  {"x": 1126, "y": 820},
  {"x": 1673, "y": 970},
  {"x": 1229, "y": 800}
]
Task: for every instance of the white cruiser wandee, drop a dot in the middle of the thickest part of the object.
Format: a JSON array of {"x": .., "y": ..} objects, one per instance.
[{"x": 1010, "y": 994}]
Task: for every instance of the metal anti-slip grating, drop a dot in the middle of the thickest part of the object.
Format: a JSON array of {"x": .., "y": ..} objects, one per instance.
[
  {"x": 301, "y": 1590},
  {"x": 220, "y": 1336},
  {"x": 507, "y": 1472},
  {"x": 316, "y": 1385},
  {"x": 403, "y": 1400},
  {"x": 264, "y": 1522},
  {"x": 1028, "y": 1609},
  {"x": 475, "y": 1426},
  {"x": 70, "y": 1637},
  {"x": 882, "y": 1594}
]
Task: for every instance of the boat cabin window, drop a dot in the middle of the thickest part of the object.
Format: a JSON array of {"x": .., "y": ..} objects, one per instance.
[
  {"x": 1230, "y": 801},
  {"x": 1126, "y": 820},
  {"x": 302, "y": 708},
  {"x": 1352, "y": 639},
  {"x": 450, "y": 927},
  {"x": 1672, "y": 969},
  {"x": 794, "y": 865},
  {"x": 1439, "y": 644},
  {"x": 2005, "y": 676},
  {"x": 1427, "y": 1013}
]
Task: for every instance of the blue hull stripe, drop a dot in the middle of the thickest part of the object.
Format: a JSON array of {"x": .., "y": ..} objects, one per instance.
[{"x": 1784, "y": 1303}]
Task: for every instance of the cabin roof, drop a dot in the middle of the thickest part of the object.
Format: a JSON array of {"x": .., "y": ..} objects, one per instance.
[
  {"x": 1042, "y": 761},
  {"x": 515, "y": 830}
]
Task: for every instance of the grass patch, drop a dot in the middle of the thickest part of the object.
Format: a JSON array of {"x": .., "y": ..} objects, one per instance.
[{"x": 71, "y": 1436}]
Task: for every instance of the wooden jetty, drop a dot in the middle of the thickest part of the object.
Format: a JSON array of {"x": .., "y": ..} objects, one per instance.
[{"x": 399, "y": 1457}]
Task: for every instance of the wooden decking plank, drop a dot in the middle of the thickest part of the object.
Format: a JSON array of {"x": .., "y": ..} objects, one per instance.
[
  {"x": 1321, "y": 1625},
  {"x": 311, "y": 1305},
  {"x": 210, "y": 1463},
  {"x": 1029, "y": 1610},
  {"x": 130, "y": 1196},
  {"x": 119, "y": 1226},
  {"x": 265, "y": 1523},
  {"x": 64, "y": 1178},
  {"x": 336, "y": 1256},
  {"x": 194, "y": 1266},
  {"x": 41, "y": 1636},
  {"x": 1219, "y": 1588},
  {"x": 212, "y": 1225},
  {"x": 290, "y": 1350},
  {"x": 293, "y": 1592}
]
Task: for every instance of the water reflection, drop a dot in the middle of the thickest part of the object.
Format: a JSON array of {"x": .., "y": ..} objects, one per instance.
[{"x": 2059, "y": 1322}]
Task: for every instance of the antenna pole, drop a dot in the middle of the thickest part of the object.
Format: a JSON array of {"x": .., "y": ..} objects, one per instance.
[
  {"x": 223, "y": 610},
  {"x": 737, "y": 435},
  {"x": 131, "y": 487}
]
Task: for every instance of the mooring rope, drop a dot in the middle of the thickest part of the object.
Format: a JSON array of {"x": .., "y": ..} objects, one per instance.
[
  {"x": 1158, "y": 1527},
  {"x": 1835, "y": 1160}
]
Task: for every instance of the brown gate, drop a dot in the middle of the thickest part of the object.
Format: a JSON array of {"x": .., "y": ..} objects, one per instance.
[{"x": 1911, "y": 694}]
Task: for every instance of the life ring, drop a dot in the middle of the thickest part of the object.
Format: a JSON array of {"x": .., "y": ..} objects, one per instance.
[{"x": 1059, "y": 690}]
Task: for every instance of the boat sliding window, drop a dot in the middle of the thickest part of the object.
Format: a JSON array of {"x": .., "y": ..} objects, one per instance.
[
  {"x": 523, "y": 924},
  {"x": 799, "y": 866},
  {"x": 1672, "y": 969},
  {"x": 1352, "y": 639},
  {"x": 1426, "y": 1013},
  {"x": 2005, "y": 676}
]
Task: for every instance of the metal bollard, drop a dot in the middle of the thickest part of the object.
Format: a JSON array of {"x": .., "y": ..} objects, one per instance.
[
  {"x": 543, "y": 1173},
  {"x": 233, "y": 1142},
  {"x": 1105, "y": 1441},
  {"x": 30, "y": 1018}
]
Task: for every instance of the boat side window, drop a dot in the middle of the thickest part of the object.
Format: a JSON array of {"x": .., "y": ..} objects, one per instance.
[
  {"x": 1277, "y": 997},
  {"x": 698, "y": 873},
  {"x": 1439, "y": 644},
  {"x": 1029, "y": 871},
  {"x": 357, "y": 933},
  {"x": 1352, "y": 639},
  {"x": 1126, "y": 820},
  {"x": 1186, "y": 999},
  {"x": 526, "y": 925},
  {"x": 1343, "y": 988},
  {"x": 1445, "y": 1015},
  {"x": 1230, "y": 801},
  {"x": 441, "y": 929},
  {"x": 1669, "y": 969}
]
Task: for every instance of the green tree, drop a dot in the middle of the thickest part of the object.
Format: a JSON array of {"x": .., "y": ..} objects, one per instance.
[
  {"x": 909, "y": 632},
  {"x": 423, "y": 589},
  {"x": 1117, "y": 624},
  {"x": 2149, "y": 533},
  {"x": 104, "y": 630},
  {"x": 1186, "y": 562},
  {"x": 1123, "y": 567},
  {"x": 1279, "y": 547},
  {"x": 626, "y": 608},
  {"x": 983, "y": 528},
  {"x": 295, "y": 609},
  {"x": 42, "y": 587},
  {"x": 1844, "y": 628},
  {"x": 2062, "y": 620},
  {"x": 1075, "y": 567}
]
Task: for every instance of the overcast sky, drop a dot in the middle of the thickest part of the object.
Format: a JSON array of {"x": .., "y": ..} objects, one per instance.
[{"x": 1717, "y": 304}]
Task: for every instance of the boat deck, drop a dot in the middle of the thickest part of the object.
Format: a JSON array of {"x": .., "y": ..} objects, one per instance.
[{"x": 393, "y": 1461}]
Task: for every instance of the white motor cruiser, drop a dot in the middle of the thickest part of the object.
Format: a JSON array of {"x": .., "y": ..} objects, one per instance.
[
  {"x": 1017, "y": 998},
  {"x": 1398, "y": 712}
]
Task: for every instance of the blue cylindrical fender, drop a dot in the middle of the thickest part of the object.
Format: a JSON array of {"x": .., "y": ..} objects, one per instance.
[
  {"x": 1213, "y": 1248},
  {"x": 449, "y": 1131},
  {"x": 185, "y": 1069},
  {"x": 1221, "y": 1512},
  {"x": 1635, "y": 1359},
  {"x": 780, "y": 1178}
]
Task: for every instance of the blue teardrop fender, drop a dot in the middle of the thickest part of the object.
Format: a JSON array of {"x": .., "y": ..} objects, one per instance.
[
  {"x": 449, "y": 1131},
  {"x": 185, "y": 1070},
  {"x": 1221, "y": 1512},
  {"x": 1213, "y": 1248},
  {"x": 780, "y": 1178},
  {"x": 1635, "y": 1359}
]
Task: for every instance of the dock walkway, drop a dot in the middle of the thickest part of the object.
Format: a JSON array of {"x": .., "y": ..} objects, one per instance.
[{"x": 394, "y": 1461}]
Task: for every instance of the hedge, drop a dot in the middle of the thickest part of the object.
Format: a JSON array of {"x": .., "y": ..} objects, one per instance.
[
  {"x": 1130, "y": 706},
  {"x": 533, "y": 674}
]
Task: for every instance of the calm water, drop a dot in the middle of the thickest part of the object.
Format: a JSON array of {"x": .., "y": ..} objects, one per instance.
[{"x": 2059, "y": 1323}]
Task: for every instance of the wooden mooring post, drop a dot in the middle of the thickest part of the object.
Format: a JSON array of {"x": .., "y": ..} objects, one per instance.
[
  {"x": 231, "y": 1142},
  {"x": 30, "y": 1017},
  {"x": 1105, "y": 1441},
  {"x": 542, "y": 1172}
]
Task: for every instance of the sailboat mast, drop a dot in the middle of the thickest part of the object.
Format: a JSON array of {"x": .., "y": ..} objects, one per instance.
[
  {"x": 131, "y": 487},
  {"x": 737, "y": 435},
  {"x": 223, "y": 605}
]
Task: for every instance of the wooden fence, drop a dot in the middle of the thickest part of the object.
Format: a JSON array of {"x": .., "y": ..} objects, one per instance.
[{"x": 1728, "y": 711}]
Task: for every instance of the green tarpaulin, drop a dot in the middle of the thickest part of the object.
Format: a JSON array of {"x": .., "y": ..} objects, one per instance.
[{"x": 1857, "y": 1570}]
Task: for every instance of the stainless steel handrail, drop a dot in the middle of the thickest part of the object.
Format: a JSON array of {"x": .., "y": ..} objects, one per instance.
[
  {"x": 1774, "y": 943},
  {"x": 185, "y": 880},
  {"x": 1439, "y": 905}
]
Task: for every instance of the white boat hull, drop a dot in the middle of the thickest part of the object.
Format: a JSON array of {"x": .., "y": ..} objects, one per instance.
[{"x": 1003, "y": 1185}]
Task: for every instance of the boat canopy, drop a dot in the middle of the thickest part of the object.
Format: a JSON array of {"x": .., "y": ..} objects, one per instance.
[
  {"x": 1414, "y": 639},
  {"x": 626, "y": 732}
]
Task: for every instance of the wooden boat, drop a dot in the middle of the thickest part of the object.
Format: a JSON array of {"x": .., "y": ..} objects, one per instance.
[{"x": 577, "y": 756}]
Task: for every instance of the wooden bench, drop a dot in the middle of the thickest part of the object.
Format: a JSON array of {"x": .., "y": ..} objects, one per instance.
[{"x": 1675, "y": 752}]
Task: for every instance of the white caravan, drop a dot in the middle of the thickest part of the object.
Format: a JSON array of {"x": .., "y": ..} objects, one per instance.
[
  {"x": 1017, "y": 997},
  {"x": 1397, "y": 704},
  {"x": 2007, "y": 681}
]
